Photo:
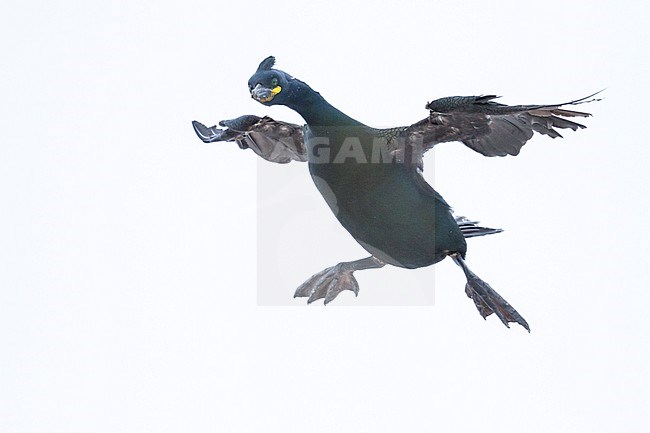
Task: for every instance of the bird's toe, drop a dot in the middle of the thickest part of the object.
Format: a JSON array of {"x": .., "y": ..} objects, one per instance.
[{"x": 342, "y": 281}]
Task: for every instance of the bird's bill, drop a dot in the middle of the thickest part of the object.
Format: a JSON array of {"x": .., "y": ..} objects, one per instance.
[{"x": 264, "y": 94}]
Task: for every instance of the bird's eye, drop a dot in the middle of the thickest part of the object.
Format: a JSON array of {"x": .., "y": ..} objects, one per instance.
[{"x": 274, "y": 82}]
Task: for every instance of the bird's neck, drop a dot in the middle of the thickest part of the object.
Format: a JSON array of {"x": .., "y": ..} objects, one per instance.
[{"x": 315, "y": 109}]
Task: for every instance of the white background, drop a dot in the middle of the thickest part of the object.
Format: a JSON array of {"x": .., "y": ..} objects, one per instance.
[{"x": 128, "y": 247}]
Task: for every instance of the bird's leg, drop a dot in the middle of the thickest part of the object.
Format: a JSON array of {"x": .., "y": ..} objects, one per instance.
[
  {"x": 486, "y": 299},
  {"x": 329, "y": 282}
]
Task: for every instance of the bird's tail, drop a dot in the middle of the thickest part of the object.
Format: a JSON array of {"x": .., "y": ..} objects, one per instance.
[{"x": 471, "y": 229}]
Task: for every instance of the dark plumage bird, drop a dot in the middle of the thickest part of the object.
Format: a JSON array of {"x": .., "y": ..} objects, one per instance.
[{"x": 372, "y": 178}]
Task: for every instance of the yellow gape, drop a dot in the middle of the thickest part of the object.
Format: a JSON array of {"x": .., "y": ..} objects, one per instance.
[{"x": 274, "y": 91}]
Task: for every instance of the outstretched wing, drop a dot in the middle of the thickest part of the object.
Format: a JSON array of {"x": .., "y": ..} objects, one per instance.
[
  {"x": 272, "y": 140},
  {"x": 488, "y": 127}
]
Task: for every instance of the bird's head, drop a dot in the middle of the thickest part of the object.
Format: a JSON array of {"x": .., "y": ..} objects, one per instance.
[{"x": 270, "y": 86}]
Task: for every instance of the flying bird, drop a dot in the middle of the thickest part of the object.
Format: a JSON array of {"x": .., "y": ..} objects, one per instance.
[{"x": 372, "y": 178}]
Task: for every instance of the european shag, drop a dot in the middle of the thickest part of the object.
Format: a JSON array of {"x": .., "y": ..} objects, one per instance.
[{"x": 372, "y": 178}]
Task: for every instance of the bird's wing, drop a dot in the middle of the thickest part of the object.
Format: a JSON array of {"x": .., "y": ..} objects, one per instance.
[
  {"x": 272, "y": 140},
  {"x": 488, "y": 127}
]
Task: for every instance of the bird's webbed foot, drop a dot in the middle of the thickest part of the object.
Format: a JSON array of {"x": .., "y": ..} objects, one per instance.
[
  {"x": 329, "y": 282},
  {"x": 487, "y": 300}
]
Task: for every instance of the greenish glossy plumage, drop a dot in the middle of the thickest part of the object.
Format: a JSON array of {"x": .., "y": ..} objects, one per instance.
[{"x": 387, "y": 207}]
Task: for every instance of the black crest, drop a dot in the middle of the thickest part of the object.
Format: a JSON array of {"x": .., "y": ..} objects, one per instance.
[{"x": 266, "y": 64}]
